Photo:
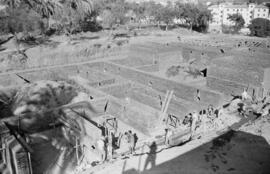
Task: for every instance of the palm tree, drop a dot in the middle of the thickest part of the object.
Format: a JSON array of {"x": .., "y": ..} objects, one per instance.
[
  {"x": 55, "y": 8},
  {"x": 47, "y": 8}
]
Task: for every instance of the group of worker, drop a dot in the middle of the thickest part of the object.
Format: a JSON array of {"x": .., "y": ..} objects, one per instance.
[
  {"x": 244, "y": 104},
  {"x": 107, "y": 145},
  {"x": 129, "y": 139},
  {"x": 192, "y": 120}
]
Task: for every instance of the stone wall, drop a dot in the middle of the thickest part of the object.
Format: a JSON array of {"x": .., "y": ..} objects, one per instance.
[
  {"x": 182, "y": 91},
  {"x": 232, "y": 74}
]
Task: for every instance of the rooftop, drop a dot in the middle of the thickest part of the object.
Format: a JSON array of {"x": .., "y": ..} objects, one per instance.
[{"x": 237, "y": 6}]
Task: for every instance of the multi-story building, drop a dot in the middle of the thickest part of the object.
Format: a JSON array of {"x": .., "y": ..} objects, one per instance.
[{"x": 249, "y": 12}]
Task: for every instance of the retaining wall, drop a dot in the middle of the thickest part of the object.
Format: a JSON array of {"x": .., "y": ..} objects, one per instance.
[
  {"x": 43, "y": 57},
  {"x": 236, "y": 75},
  {"x": 137, "y": 115},
  {"x": 230, "y": 87},
  {"x": 180, "y": 90},
  {"x": 151, "y": 97}
]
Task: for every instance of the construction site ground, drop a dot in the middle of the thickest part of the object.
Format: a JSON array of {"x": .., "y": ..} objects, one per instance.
[{"x": 233, "y": 149}]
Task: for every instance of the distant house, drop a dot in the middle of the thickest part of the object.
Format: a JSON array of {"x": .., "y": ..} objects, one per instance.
[{"x": 249, "y": 12}]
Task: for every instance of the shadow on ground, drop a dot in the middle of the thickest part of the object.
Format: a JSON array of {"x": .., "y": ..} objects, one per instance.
[{"x": 234, "y": 152}]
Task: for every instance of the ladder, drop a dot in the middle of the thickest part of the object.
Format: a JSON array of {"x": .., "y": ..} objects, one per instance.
[{"x": 165, "y": 105}]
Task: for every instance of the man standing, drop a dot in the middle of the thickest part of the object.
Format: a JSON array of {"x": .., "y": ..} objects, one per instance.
[
  {"x": 102, "y": 149},
  {"x": 195, "y": 117},
  {"x": 245, "y": 95},
  {"x": 168, "y": 134},
  {"x": 131, "y": 142},
  {"x": 110, "y": 146}
]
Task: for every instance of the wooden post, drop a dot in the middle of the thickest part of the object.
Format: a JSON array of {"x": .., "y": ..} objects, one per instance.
[{"x": 77, "y": 151}]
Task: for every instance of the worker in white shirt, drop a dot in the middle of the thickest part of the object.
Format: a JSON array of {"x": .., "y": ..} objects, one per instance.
[
  {"x": 195, "y": 118},
  {"x": 245, "y": 95},
  {"x": 102, "y": 149}
]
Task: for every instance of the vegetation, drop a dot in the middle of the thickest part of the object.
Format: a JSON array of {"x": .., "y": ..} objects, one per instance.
[
  {"x": 71, "y": 16},
  {"x": 67, "y": 13},
  {"x": 22, "y": 19},
  {"x": 238, "y": 21},
  {"x": 112, "y": 12},
  {"x": 260, "y": 27}
]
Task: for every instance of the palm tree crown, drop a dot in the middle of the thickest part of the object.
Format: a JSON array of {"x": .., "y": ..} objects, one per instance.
[{"x": 48, "y": 8}]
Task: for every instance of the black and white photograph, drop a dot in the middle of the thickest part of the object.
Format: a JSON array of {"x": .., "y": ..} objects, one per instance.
[{"x": 134, "y": 86}]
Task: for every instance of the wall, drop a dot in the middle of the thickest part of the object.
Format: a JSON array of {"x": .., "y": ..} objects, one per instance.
[
  {"x": 160, "y": 84},
  {"x": 235, "y": 75},
  {"x": 266, "y": 83},
  {"x": 151, "y": 97}
]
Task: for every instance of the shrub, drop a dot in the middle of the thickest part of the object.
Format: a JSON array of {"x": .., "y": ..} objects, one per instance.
[
  {"x": 227, "y": 29},
  {"x": 260, "y": 27},
  {"x": 21, "y": 19},
  {"x": 172, "y": 71},
  {"x": 238, "y": 21}
]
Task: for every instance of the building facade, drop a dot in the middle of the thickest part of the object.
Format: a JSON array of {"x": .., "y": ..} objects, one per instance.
[{"x": 249, "y": 12}]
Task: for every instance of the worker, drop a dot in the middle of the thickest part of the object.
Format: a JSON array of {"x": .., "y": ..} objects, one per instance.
[
  {"x": 168, "y": 134},
  {"x": 131, "y": 142},
  {"x": 101, "y": 144},
  {"x": 210, "y": 110},
  {"x": 203, "y": 119},
  {"x": 110, "y": 146},
  {"x": 124, "y": 143},
  {"x": 198, "y": 95},
  {"x": 245, "y": 95},
  {"x": 187, "y": 120},
  {"x": 135, "y": 141},
  {"x": 115, "y": 126},
  {"x": 195, "y": 117}
]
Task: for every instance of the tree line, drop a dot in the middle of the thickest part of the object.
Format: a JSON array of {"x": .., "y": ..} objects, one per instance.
[
  {"x": 115, "y": 12},
  {"x": 71, "y": 16}
]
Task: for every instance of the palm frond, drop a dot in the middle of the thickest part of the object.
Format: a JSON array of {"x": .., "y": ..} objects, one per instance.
[{"x": 50, "y": 7}]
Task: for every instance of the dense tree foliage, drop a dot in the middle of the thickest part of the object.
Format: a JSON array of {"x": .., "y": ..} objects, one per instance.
[
  {"x": 22, "y": 19},
  {"x": 80, "y": 15},
  {"x": 65, "y": 12},
  {"x": 196, "y": 16},
  {"x": 238, "y": 21},
  {"x": 260, "y": 27}
]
